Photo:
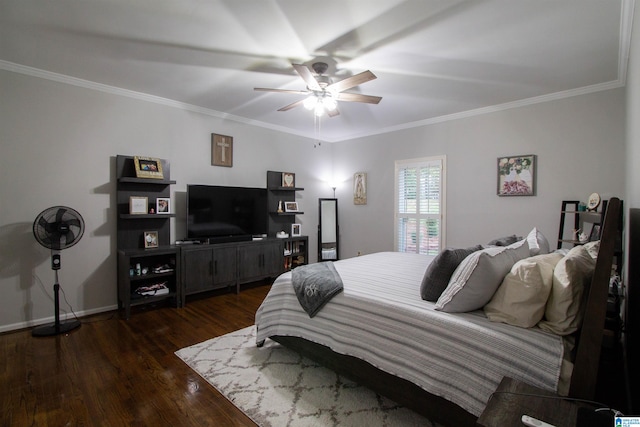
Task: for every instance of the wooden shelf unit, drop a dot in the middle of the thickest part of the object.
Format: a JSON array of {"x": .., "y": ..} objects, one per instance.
[{"x": 130, "y": 235}]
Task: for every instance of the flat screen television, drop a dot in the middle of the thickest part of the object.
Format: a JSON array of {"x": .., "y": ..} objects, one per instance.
[{"x": 225, "y": 214}]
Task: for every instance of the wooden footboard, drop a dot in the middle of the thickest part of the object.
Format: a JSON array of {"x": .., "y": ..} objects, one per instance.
[
  {"x": 585, "y": 372},
  {"x": 397, "y": 389}
]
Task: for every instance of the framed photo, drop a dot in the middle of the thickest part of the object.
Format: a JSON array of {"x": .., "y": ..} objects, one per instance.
[
  {"x": 163, "y": 205},
  {"x": 291, "y": 206},
  {"x": 221, "y": 150},
  {"x": 595, "y": 233},
  {"x": 288, "y": 179},
  {"x": 296, "y": 230},
  {"x": 150, "y": 239},
  {"x": 517, "y": 175},
  {"x": 360, "y": 188},
  {"x": 147, "y": 167},
  {"x": 138, "y": 205}
]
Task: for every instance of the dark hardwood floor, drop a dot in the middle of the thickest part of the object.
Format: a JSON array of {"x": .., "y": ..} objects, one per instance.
[{"x": 116, "y": 372}]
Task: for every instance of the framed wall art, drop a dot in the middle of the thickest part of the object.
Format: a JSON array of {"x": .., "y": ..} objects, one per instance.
[
  {"x": 517, "y": 175},
  {"x": 296, "y": 230},
  {"x": 138, "y": 205},
  {"x": 360, "y": 188},
  {"x": 221, "y": 150},
  {"x": 148, "y": 167}
]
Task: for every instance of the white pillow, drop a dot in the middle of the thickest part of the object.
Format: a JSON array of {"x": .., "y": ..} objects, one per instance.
[
  {"x": 522, "y": 297},
  {"x": 476, "y": 279},
  {"x": 571, "y": 277},
  {"x": 538, "y": 244}
]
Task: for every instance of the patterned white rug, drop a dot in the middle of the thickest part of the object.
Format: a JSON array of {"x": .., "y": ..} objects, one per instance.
[{"x": 277, "y": 387}]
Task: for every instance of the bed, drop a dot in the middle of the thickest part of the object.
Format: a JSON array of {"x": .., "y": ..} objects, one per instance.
[{"x": 380, "y": 332}]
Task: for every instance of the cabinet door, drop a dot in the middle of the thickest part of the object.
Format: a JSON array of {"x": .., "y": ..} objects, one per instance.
[
  {"x": 224, "y": 266},
  {"x": 273, "y": 255},
  {"x": 260, "y": 260},
  {"x": 198, "y": 270},
  {"x": 250, "y": 261}
]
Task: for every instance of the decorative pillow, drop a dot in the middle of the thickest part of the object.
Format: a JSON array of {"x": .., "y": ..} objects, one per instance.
[
  {"x": 437, "y": 276},
  {"x": 505, "y": 241},
  {"x": 538, "y": 244},
  {"x": 477, "y": 277},
  {"x": 571, "y": 277},
  {"x": 522, "y": 297}
]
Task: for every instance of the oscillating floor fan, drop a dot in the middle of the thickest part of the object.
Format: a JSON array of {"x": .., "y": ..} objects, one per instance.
[{"x": 57, "y": 228}]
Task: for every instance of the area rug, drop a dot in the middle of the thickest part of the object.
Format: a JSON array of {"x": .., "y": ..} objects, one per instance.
[{"x": 276, "y": 387}]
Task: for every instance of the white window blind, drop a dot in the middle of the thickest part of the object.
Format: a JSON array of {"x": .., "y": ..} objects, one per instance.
[{"x": 419, "y": 213}]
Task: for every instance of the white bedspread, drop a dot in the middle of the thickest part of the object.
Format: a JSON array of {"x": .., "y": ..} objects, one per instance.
[{"x": 381, "y": 318}]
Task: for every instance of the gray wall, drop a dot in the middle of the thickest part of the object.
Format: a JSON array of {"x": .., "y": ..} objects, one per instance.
[
  {"x": 579, "y": 143},
  {"x": 59, "y": 142},
  {"x": 633, "y": 118}
]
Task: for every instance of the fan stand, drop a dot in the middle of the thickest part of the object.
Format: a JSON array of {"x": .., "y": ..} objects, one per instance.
[{"x": 58, "y": 327}]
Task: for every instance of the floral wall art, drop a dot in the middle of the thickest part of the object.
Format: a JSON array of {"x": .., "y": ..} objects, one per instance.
[{"x": 516, "y": 175}]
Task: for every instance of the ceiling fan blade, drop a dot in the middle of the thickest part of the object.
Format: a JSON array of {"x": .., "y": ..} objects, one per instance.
[
  {"x": 356, "y": 97},
  {"x": 292, "y": 105},
  {"x": 296, "y": 92},
  {"x": 352, "y": 81},
  {"x": 307, "y": 76}
]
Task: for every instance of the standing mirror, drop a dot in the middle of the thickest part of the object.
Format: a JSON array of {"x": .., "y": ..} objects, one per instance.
[{"x": 328, "y": 230}]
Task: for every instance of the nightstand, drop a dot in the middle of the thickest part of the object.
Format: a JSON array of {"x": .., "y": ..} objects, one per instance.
[{"x": 506, "y": 409}]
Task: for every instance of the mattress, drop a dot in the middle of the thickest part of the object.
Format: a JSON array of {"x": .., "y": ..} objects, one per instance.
[{"x": 380, "y": 318}]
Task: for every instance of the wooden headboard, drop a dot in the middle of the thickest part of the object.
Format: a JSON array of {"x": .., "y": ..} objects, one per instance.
[{"x": 585, "y": 370}]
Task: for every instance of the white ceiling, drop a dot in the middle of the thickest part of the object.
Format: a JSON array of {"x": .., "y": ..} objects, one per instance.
[{"x": 434, "y": 59}]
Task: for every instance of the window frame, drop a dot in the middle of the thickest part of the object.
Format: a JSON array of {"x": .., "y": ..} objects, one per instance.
[{"x": 421, "y": 162}]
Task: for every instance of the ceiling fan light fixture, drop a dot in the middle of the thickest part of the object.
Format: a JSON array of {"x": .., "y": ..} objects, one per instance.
[
  {"x": 329, "y": 103},
  {"x": 319, "y": 109},
  {"x": 310, "y": 102}
]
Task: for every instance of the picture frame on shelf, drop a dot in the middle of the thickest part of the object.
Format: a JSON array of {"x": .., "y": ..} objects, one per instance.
[
  {"x": 291, "y": 207},
  {"x": 148, "y": 167},
  {"x": 150, "y": 239},
  {"x": 138, "y": 205},
  {"x": 221, "y": 150},
  {"x": 163, "y": 205},
  {"x": 517, "y": 175},
  {"x": 595, "y": 233},
  {"x": 288, "y": 180},
  {"x": 296, "y": 230}
]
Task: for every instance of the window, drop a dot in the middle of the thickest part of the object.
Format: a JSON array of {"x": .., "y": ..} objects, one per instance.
[{"x": 419, "y": 205}]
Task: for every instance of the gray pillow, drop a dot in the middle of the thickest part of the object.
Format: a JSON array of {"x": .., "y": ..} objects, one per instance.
[
  {"x": 505, "y": 241},
  {"x": 437, "y": 276}
]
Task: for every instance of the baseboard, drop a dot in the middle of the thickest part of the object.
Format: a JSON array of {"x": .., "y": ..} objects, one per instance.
[{"x": 43, "y": 321}]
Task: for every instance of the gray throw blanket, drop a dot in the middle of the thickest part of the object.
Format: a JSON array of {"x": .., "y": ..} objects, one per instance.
[{"x": 315, "y": 285}]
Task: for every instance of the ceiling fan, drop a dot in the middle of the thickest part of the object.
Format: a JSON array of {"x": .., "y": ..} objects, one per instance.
[{"x": 322, "y": 93}]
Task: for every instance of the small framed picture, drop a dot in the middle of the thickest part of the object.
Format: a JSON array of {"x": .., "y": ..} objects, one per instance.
[
  {"x": 291, "y": 206},
  {"x": 147, "y": 167},
  {"x": 360, "y": 188},
  {"x": 517, "y": 175},
  {"x": 296, "y": 230},
  {"x": 138, "y": 205},
  {"x": 288, "y": 179},
  {"x": 150, "y": 239},
  {"x": 221, "y": 150},
  {"x": 163, "y": 205}
]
